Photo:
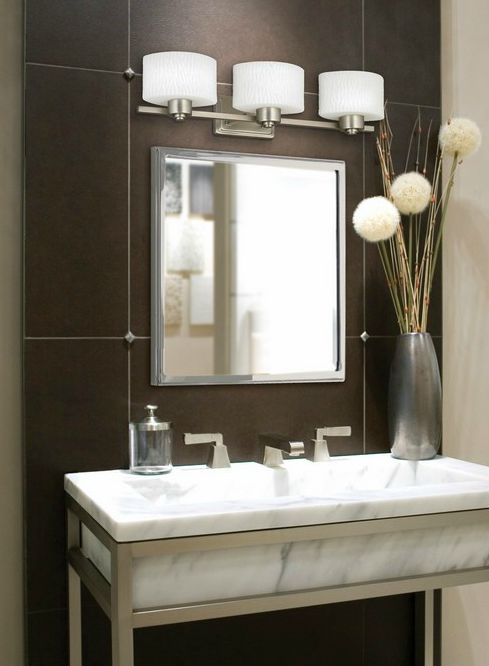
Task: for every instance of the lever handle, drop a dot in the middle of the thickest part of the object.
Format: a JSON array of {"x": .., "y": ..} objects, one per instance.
[
  {"x": 334, "y": 431},
  {"x": 321, "y": 451},
  {"x": 203, "y": 438},
  {"x": 218, "y": 453}
]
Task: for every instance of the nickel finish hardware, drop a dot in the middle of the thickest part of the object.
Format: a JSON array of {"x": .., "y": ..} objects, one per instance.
[
  {"x": 278, "y": 445},
  {"x": 321, "y": 451},
  {"x": 262, "y": 125},
  {"x": 218, "y": 453}
]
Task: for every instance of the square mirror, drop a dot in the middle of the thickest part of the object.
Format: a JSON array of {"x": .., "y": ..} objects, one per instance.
[{"x": 248, "y": 268}]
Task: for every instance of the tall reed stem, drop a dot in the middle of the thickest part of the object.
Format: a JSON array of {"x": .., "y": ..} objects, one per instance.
[{"x": 409, "y": 260}]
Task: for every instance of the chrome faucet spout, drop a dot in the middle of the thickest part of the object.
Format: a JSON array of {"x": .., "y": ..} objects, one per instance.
[{"x": 278, "y": 445}]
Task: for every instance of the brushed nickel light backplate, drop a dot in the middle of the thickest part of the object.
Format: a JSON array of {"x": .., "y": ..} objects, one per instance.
[{"x": 248, "y": 129}]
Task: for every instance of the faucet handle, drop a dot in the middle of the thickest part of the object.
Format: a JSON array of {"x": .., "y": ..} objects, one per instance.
[
  {"x": 218, "y": 453},
  {"x": 321, "y": 451},
  {"x": 334, "y": 431}
]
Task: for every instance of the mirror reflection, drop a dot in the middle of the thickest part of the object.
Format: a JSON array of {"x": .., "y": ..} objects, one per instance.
[{"x": 249, "y": 272}]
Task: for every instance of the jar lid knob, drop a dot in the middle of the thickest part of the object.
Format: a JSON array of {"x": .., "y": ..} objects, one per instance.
[{"x": 151, "y": 409}]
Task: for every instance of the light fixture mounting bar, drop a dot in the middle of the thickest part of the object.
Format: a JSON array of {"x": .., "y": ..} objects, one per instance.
[
  {"x": 245, "y": 117},
  {"x": 210, "y": 115},
  {"x": 320, "y": 124}
]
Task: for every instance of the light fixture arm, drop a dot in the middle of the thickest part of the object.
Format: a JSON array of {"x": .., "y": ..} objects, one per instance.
[
  {"x": 268, "y": 116},
  {"x": 351, "y": 124},
  {"x": 179, "y": 109}
]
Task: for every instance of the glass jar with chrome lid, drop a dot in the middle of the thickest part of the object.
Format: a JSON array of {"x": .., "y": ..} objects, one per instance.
[{"x": 150, "y": 444}]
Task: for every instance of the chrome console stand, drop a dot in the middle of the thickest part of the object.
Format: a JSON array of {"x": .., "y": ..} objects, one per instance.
[{"x": 115, "y": 598}]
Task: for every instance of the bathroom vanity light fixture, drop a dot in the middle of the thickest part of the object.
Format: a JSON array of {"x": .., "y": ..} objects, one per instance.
[{"x": 178, "y": 82}]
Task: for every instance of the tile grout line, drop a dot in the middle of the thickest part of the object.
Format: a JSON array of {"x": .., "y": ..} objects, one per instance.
[
  {"x": 85, "y": 337},
  {"x": 364, "y": 284},
  {"x": 423, "y": 106},
  {"x": 363, "y": 35},
  {"x": 23, "y": 356},
  {"x": 148, "y": 337},
  {"x": 129, "y": 33},
  {"x": 395, "y": 335},
  {"x": 129, "y": 384},
  {"x": 372, "y": 336},
  {"x": 129, "y": 210},
  {"x": 128, "y": 169},
  {"x": 219, "y": 83},
  {"x": 364, "y": 313},
  {"x": 80, "y": 69}
]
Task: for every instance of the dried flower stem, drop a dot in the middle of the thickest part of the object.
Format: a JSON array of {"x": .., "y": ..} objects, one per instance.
[
  {"x": 451, "y": 180},
  {"x": 409, "y": 262}
]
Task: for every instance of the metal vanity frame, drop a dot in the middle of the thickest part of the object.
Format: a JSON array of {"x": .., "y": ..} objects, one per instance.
[{"x": 115, "y": 598}]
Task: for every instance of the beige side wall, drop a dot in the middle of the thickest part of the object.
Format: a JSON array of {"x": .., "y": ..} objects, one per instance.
[
  {"x": 465, "y": 54},
  {"x": 11, "y": 594}
]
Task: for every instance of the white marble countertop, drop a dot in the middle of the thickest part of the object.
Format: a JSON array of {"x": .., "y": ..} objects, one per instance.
[{"x": 196, "y": 500}]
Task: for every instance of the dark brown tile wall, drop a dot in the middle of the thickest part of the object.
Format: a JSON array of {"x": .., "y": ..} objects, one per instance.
[
  {"x": 87, "y": 284},
  {"x": 319, "y": 35},
  {"x": 76, "y": 203}
]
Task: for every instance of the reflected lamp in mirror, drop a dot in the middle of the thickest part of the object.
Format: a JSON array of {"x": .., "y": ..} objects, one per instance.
[
  {"x": 263, "y": 299},
  {"x": 185, "y": 246}
]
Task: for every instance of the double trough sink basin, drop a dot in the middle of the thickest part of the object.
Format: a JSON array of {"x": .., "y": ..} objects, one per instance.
[{"x": 370, "y": 518}]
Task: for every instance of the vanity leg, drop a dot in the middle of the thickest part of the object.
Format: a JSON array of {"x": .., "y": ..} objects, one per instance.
[
  {"x": 429, "y": 627},
  {"x": 74, "y": 598},
  {"x": 121, "y": 606},
  {"x": 74, "y": 594},
  {"x": 425, "y": 609}
]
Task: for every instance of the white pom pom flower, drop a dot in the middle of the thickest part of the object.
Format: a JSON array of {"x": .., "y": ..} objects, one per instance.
[
  {"x": 376, "y": 219},
  {"x": 461, "y": 136},
  {"x": 411, "y": 193}
]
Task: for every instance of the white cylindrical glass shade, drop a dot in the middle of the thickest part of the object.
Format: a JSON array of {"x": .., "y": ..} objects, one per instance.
[
  {"x": 258, "y": 85},
  {"x": 351, "y": 92},
  {"x": 179, "y": 75}
]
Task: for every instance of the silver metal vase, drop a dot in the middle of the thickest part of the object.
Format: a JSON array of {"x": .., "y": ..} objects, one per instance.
[{"x": 414, "y": 402}]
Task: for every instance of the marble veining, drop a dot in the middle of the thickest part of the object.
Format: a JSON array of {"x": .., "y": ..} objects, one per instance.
[
  {"x": 197, "y": 500},
  {"x": 240, "y": 572}
]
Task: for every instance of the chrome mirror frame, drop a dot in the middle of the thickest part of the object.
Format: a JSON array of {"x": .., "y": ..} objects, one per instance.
[{"x": 157, "y": 370}]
